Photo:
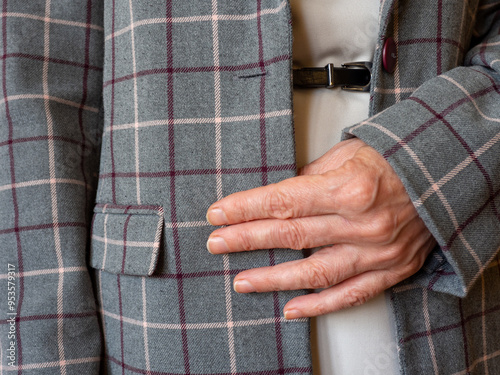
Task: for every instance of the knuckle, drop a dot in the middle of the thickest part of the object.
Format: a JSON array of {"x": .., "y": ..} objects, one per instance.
[
  {"x": 411, "y": 268},
  {"x": 406, "y": 268},
  {"x": 246, "y": 240},
  {"x": 351, "y": 165},
  {"x": 362, "y": 189},
  {"x": 290, "y": 234},
  {"x": 315, "y": 275},
  {"x": 279, "y": 204},
  {"x": 356, "y": 297},
  {"x": 364, "y": 195},
  {"x": 240, "y": 207},
  {"x": 383, "y": 228},
  {"x": 390, "y": 254},
  {"x": 392, "y": 278}
]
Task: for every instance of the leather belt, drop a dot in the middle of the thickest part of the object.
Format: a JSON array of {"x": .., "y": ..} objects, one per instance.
[{"x": 353, "y": 76}]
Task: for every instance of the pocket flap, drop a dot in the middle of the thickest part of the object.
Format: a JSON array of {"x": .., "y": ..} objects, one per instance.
[{"x": 126, "y": 239}]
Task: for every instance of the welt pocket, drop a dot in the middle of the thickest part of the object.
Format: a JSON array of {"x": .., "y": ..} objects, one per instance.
[{"x": 126, "y": 239}]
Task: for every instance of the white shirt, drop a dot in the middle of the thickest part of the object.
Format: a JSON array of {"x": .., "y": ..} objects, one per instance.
[{"x": 359, "y": 340}]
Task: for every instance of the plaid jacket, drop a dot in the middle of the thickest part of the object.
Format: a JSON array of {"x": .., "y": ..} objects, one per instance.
[{"x": 122, "y": 121}]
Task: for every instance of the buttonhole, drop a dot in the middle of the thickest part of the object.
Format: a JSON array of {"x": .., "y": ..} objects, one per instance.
[{"x": 252, "y": 75}]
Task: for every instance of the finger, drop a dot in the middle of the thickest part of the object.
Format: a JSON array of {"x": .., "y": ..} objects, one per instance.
[
  {"x": 309, "y": 232},
  {"x": 352, "y": 292},
  {"x": 301, "y": 233},
  {"x": 296, "y": 197},
  {"x": 324, "y": 268}
]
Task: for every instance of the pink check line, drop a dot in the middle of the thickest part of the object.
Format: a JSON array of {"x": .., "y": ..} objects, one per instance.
[
  {"x": 49, "y": 271},
  {"x": 482, "y": 359},
  {"x": 50, "y": 98},
  {"x": 405, "y": 288},
  {"x": 430, "y": 342},
  {"x": 23, "y": 184},
  {"x": 460, "y": 229},
  {"x": 196, "y": 275},
  {"x": 434, "y": 119},
  {"x": 196, "y": 172},
  {"x": 287, "y": 370},
  {"x": 470, "y": 152},
  {"x": 199, "y": 18},
  {"x": 125, "y": 243},
  {"x": 41, "y": 365},
  {"x": 128, "y": 207},
  {"x": 493, "y": 82},
  {"x": 450, "y": 326},
  {"x": 397, "y": 73},
  {"x": 51, "y": 20},
  {"x": 201, "y": 326},
  {"x": 401, "y": 90},
  {"x": 468, "y": 149},
  {"x": 200, "y": 120},
  {"x": 203, "y": 69}
]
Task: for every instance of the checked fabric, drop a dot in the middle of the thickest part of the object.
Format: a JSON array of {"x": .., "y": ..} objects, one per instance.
[
  {"x": 188, "y": 102},
  {"x": 437, "y": 121},
  {"x": 123, "y": 120}
]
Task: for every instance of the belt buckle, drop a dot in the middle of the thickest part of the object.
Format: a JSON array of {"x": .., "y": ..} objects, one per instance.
[
  {"x": 358, "y": 65},
  {"x": 352, "y": 76}
]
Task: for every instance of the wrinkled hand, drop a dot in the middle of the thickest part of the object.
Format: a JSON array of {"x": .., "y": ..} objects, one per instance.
[{"x": 351, "y": 200}]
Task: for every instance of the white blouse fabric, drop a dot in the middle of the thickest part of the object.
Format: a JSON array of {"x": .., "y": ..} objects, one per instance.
[{"x": 359, "y": 340}]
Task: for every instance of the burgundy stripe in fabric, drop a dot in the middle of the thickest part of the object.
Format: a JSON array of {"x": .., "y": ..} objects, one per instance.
[{"x": 203, "y": 69}]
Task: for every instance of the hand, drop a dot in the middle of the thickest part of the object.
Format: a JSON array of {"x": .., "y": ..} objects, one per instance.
[{"x": 351, "y": 201}]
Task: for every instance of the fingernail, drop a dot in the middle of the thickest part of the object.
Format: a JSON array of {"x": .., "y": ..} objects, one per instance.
[
  {"x": 217, "y": 245},
  {"x": 216, "y": 216},
  {"x": 243, "y": 286},
  {"x": 292, "y": 314}
]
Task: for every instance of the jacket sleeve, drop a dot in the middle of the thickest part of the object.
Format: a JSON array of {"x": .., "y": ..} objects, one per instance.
[
  {"x": 50, "y": 126},
  {"x": 444, "y": 143}
]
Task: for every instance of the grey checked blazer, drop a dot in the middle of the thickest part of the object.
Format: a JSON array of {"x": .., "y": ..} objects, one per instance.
[{"x": 123, "y": 120}]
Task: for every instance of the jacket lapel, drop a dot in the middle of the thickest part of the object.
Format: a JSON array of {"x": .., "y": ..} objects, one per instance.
[{"x": 386, "y": 9}]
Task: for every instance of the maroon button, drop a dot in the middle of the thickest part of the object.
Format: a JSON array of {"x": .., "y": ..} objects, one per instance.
[{"x": 389, "y": 55}]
